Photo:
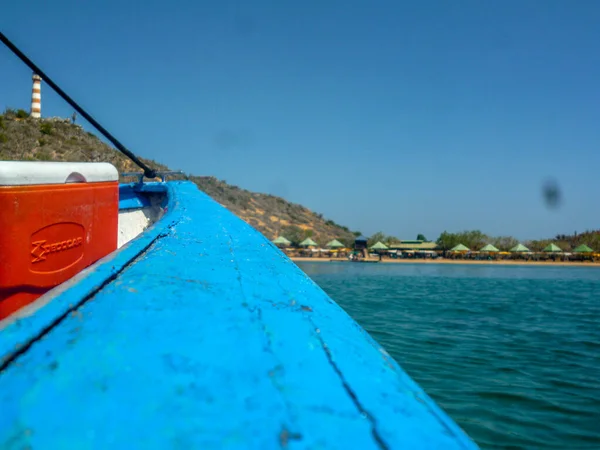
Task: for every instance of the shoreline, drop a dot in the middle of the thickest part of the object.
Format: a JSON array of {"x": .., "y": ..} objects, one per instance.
[{"x": 459, "y": 262}]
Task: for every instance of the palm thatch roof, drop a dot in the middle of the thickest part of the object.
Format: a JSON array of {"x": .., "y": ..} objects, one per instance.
[
  {"x": 308, "y": 242},
  {"x": 552, "y": 248},
  {"x": 583, "y": 249},
  {"x": 334, "y": 244},
  {"x": 281, "y": 241},
  {"x": 379, "y": 246},
  {"x": 489, "y": 248}
]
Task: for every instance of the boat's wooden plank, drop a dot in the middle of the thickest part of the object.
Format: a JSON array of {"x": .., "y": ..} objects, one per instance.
[{"x": 212, "y": 338}]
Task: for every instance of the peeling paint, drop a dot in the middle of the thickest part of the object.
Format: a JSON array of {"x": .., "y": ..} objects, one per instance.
[{"x": 286, "y": 436}]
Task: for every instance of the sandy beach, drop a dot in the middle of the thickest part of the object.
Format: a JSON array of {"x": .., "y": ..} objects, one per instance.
[{"x": 459, "y": 261}]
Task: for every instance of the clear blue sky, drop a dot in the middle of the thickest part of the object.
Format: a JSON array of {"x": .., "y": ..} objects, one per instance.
[{"x": 403, "y": 117}]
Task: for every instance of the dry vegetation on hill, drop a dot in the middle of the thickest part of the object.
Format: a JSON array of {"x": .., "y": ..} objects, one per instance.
[{"x": 56, "y": 139}]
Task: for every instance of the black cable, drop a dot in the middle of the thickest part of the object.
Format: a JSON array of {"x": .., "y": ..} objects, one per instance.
[{"x": 148, "y": 172}]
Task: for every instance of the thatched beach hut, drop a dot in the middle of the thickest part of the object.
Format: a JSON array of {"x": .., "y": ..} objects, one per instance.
[
  {"x": 379, "y": 246},
  {"x": 489, "y": 248},
  {"x": 583, "y": 249},
  {"x": 334, "y": 244},
  {"x": 281, "y": 242},
  {"x": 308, "y": 242},
  {"x": 520, "y": 248}
]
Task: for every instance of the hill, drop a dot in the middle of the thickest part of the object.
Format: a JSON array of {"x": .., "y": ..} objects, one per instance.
[{"x": 57, "y": 139}]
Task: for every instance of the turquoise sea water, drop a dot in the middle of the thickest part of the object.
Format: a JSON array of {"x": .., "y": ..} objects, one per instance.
[{"x": 511, "y": 353}]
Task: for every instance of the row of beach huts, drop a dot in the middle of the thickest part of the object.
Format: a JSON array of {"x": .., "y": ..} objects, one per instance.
[{"x": 423, "y": 249}]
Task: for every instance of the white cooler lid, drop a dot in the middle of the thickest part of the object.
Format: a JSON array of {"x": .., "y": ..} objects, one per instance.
[{"x": 27, "y": 173}]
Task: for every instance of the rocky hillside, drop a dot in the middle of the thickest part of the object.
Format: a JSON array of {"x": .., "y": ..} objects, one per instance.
[{"x": 56, "y": 139}]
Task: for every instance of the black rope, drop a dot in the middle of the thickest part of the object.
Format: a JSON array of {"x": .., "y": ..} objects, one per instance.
[{"x": 148, "y": 172}]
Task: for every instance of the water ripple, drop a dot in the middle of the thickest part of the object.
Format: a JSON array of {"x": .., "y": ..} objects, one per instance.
[{"x": 511, "y": 353}]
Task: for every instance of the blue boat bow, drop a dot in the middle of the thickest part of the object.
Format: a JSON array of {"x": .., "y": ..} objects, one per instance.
[{"x": 200, "y": 333}]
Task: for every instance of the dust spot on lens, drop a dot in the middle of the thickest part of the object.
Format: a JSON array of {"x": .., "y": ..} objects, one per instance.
[{"x": 551, "y": 194}]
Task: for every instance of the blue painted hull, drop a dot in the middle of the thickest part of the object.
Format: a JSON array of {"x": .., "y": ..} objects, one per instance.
[{"x": 202, "y": 334}]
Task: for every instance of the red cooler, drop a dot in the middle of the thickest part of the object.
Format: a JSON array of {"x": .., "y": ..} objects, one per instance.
[{"x": 55, "y": 220}]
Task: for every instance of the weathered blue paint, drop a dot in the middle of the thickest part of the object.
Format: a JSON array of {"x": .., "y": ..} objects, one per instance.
[
  {"x": 206, "y": 336},
  {"x": 129, "y": 198}
]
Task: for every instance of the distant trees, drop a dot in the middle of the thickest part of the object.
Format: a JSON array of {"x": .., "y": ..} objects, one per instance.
[
  {"x": 421, "y": 237},
  {"x": 348, "y": 242},
  {"x": 568, "y": 242},
  {"x": 474, "y": 239},
  {"x": 504, "y": 242},
  {"x": 539, "y": 245},
  {"x": 383, "y": 238},
  {"x": 293, "y": 233},
  {"x": 377, "y": 237},
  {"x": 391, "y": 240},
  {"x": 18, "y": 113},
  {"x": 448, "y": 240}
]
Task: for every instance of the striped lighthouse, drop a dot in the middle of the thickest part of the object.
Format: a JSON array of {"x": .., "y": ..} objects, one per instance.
[{"x": 36, "y": 97}]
